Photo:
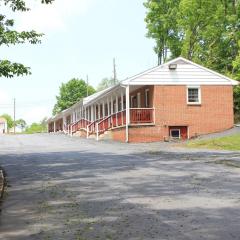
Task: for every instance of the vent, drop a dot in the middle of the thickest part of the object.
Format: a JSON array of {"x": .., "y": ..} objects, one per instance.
[{"x": 172, "y": 66}]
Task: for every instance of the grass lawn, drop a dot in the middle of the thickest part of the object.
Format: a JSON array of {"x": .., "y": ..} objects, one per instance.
[{"x": 224, "y": 143}]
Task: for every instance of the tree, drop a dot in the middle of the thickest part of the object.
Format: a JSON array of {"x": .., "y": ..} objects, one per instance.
[
  {"x": 35, "y": 128},
  {"x": 9, "y": 36},
  {"x": 9, "y": 119},
  {"x": 236, "y": 93},
  {"x": 206, "y": 31},
  {"x": 161, "y": 20},
  {"x": 70, "y": 93},
  {"x": 21, "y": 123},
  {"x": 106, "y": 82},
  {"x": 40, "y": 127},
  {"x": 44, "y": 124}
]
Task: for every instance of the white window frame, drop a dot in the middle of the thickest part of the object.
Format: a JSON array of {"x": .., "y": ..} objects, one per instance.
[
  {"x": 175, "y": 129},
  {"x": 138, "y": 100},
  {"x": 199, "y": 95},
  {"x": 146, "y": 99}
]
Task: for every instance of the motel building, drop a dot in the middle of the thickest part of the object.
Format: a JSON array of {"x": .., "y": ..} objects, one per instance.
[{"x": 177, "y": 100}]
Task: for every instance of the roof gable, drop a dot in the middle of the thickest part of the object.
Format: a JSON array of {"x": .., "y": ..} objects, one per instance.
[{"x": 187, "y": 73}]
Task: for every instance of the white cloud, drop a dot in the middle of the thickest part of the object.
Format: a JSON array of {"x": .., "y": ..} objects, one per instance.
[{"x": 53, "y": 16}]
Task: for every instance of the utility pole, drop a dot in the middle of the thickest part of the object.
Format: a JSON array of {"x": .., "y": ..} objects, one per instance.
[
  {"x": 87, "y": 85},
  {"x": 14, "y": 115},
  {"x": 114, "y": 72}
]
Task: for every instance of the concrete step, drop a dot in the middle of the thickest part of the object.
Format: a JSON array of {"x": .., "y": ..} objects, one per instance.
[{"x": 106, "y": 135}]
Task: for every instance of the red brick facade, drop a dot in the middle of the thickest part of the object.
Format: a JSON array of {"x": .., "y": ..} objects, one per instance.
[{"x": 215, "y": 113}]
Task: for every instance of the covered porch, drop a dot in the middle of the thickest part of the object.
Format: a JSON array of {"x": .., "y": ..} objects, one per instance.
[
  {"x": 116, "y": 107},
  {"x": 120, "y": 106}
]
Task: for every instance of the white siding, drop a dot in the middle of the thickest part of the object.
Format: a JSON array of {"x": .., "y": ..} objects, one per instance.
[{"x": 187, "y": 73}]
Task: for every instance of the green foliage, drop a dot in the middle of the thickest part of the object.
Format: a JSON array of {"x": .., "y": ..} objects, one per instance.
[
  {"x": 161, "y": 22},
  {"x": 106, "y": 82},
  {"x": 206, "y": 31},
  {"x": 9, "y": 36},
  {"x": 40, "y": 127},
  {"x": 70, "y": 93},
  {"x": 9, "y": 119},
  {"x": 34, "y": 128},
  {"x": 21, "y": 123},
  {"x": 236, "y": 93}
]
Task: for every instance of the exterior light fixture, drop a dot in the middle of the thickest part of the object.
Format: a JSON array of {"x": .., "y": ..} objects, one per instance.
[{"x": 172, "y": 66}]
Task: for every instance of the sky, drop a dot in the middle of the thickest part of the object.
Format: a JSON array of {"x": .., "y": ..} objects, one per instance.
[{"x": 81, "y": 38}]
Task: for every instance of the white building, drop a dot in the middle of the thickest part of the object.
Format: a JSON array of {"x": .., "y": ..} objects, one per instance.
[{"x": 3, "y": 125}]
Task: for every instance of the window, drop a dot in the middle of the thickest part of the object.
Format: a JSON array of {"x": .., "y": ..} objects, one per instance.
[
  {"x": 193, "y": 95},
  {"x": 139, "y": 100},
  {"x": 147, "y": 98},
  {"x": 175, "y": 133}
]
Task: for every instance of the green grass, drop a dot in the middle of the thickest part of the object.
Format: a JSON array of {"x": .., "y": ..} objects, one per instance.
[{"x": 223, "y": 143}]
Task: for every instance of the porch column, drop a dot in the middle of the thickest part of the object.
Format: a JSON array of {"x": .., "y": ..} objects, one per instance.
[
  {"x": 116, "y": 109},
  {"x": 64, "y": 123},
  {"x": 127, "y": 113},
  {"x": 89, "y": 113},
  {"x": 93, "y": 111},
  {"x": 92, "y": 114},
  {"x": 103, "y": 103},
  {"x": 80, "y": 113},
  {"x": 122, "y": 105},
  {"x": 99, "y": 111},
  {"x": 108, "y": 107},
  {"x": 111, "y": 104},
  {"x": 96, "y": 116},
  {"x": 54, "y": 126}
]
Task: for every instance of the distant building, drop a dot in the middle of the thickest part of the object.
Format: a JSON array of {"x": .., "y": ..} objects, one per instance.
[
  {"x": 3, "y": 125},
  {"x": 17, "y": 130}
]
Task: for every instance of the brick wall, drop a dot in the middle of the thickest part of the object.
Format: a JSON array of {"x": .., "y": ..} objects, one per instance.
[{"x": 214, "y": 114}]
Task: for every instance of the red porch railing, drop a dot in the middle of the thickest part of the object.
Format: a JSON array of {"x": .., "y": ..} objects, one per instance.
[
  {"x": 137, "y": 116},
  {"x": 141, "y": 115},
  {"x": 92, "y": 127},
  {"x": 81, "y": 124},
  {"x": 115, "y": 120}
]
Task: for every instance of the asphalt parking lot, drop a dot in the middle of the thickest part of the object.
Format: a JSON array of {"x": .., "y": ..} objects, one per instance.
[{"x": 72, "y": 188}]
